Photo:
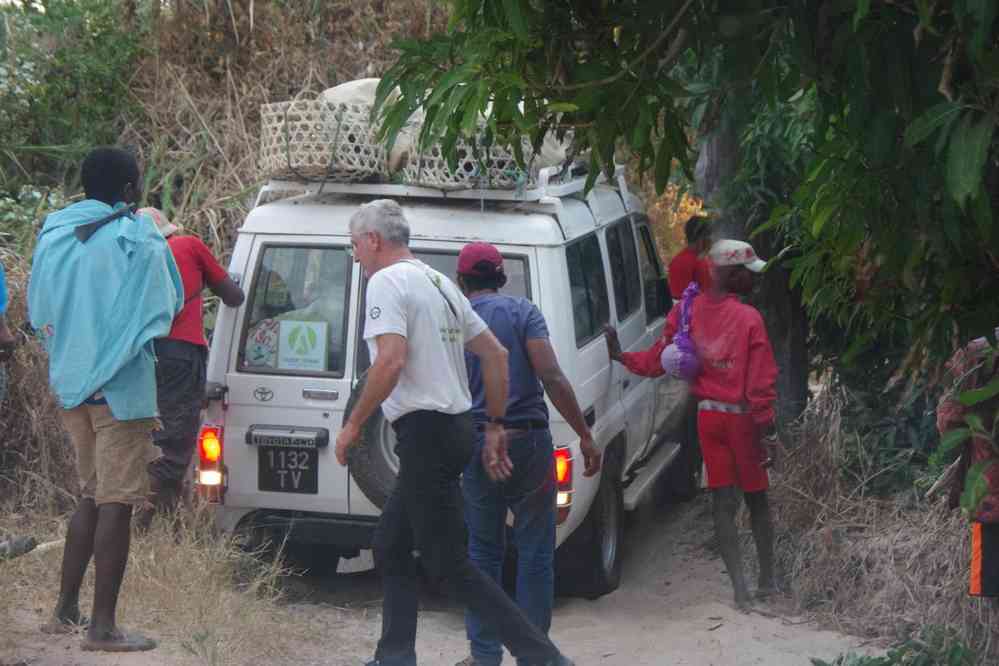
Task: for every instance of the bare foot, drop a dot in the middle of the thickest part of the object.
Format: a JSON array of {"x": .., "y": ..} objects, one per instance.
[
  {"x": 65, "y": 623},
  {"x": 117, "y": 641}
]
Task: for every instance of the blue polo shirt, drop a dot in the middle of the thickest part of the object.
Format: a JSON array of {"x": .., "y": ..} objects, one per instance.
[{"x": 513, "y": 321}]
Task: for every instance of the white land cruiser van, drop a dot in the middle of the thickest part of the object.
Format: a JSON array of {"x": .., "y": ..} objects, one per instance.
[{"x": 284, "y": 367}]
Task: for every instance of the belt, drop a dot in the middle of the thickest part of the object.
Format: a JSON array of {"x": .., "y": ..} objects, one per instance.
[
  {"x": 526, "y": 424},
  {"x": 529, "y": 424},
  {"x": 725, "y": 407}
]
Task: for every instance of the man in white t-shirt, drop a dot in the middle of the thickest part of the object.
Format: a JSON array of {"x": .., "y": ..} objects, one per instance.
[{"x": 417, "y": 326}]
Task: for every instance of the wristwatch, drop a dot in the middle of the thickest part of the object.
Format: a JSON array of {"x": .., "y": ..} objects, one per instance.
[{"x": 496, "y": 420}]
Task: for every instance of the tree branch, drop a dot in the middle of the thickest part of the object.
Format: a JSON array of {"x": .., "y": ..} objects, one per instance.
[{"x": 652, "y": 48}]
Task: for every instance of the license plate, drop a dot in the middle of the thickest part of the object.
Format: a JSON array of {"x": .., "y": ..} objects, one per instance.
[{"x": 288, "y": 469}]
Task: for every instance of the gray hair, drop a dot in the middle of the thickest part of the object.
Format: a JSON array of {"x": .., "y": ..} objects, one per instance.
[{"x": 383, "y": 217}]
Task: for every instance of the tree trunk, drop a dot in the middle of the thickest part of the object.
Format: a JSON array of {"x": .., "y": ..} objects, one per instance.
[{"x": 782, "y": 309}]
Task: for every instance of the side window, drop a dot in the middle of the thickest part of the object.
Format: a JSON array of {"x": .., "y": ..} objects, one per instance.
[
  {"x": 588, "y": 284},
  {"x": 653, "y": 286},
  {"x": 296, "y": 322},
  {"x": 624, "y": 269}
]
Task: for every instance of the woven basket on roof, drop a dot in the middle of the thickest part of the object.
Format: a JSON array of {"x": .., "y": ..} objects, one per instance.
[
  {"x": 492, "y": 168},
  {"x": 318, "y": 140}
]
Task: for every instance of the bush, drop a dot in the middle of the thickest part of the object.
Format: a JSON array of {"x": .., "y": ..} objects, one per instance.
[
  {"x": 935, "y": 647},
  {"x": 64, "y": 85}
]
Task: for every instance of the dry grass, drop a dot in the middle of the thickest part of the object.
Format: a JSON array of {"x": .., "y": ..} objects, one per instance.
[
  {"x": 196, "y": 592},
  {"x": 869, "y": 566}
]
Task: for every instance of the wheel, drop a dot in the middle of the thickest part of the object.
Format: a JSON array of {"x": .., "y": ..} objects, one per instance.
[
  {"x": 315, "y": 559},
  {"x": 589, "y": 563},
  {"x": 373, "y": 462}
]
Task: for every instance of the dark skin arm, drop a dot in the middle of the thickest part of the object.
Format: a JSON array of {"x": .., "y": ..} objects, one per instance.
[
  {"x": 558, "y": 388},
  {"x": 230, "y": 292}
]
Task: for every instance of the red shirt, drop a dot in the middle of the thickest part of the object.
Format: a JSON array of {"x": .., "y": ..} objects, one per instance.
[
  {"x": 685, "y": 268},
  {"x": 737, "y": 362},
  {"x": 198, "y": 269}
]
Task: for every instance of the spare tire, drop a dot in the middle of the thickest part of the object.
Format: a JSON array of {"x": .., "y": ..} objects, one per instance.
[{"x": 373, "y": 462}]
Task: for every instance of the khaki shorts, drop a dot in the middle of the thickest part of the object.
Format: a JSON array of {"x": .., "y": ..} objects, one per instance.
[{"x": 111, "y": 455}]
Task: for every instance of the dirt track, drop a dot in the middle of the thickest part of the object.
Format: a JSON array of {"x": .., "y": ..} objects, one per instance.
[{"x": 673, "y": 609}]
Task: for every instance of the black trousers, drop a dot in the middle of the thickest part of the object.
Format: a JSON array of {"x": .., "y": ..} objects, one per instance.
[
  {"x": 180, "y": 394},
  {"x": 422, "y": 531}
]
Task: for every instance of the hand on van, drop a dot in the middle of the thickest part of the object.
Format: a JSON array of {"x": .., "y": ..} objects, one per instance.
[
  {"x": 495, "y": 457},
  {"x": 592, "y": 456},
  {"x": 613, "y": 344}
]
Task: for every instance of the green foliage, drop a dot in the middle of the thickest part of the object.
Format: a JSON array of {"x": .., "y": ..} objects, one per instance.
[
  {"x": 21, "y": 213},
  {"x": 64, "y": 75},
  {"x": 936, "y": 646},
  {"x": 886, "y": 177}
]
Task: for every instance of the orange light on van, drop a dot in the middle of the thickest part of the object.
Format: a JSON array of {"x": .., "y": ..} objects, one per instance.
[
  {"x": 563, "y": 466},
  {"x": 563, "y": 482},
  {"x": 210, "y": 446}
]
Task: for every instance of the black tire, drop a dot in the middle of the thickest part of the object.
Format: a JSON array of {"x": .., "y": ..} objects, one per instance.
[
  {"x": 373, "y": 462},
  {"x": 589, "y": 563},
  {"x": 314, "y": 559}
]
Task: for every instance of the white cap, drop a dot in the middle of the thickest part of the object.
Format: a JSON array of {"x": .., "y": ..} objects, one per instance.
[
  {"x": 166, "y": 227},
  {"x": 735, "y": 253}
]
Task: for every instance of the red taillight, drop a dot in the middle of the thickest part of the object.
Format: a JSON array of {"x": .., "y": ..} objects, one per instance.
[
  {"x": 563, "y": 466},
  {"x": 210, "y": 444},
  {"x": 211, "y": 470},
  {"x": 563, "y": 482}
]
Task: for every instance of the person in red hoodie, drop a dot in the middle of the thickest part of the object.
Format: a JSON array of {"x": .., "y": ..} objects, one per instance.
[
  {"x": 735, "y": 389},
  {"x": 688, "y": 265}
]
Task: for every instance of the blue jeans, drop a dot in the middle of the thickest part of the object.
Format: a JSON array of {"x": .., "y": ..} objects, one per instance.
[{"x": 530, "y": 495}]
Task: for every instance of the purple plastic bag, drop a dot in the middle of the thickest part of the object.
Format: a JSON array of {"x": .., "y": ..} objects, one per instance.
[{"x": 679, "y": 359}]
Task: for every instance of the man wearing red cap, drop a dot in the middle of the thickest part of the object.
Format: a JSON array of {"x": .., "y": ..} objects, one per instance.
[
  {"x": 530, "y": 491},
  {"x": 735, "y": 389}
]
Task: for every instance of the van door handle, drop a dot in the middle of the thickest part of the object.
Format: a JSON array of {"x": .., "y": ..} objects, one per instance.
[
  {"x": 625, "y": 384},
  {"x": 319, "y": 394},
  {"x": 590, "y": 416}
]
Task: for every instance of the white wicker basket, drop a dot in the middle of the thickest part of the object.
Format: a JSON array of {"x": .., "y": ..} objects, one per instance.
[
  {"x": 494, "y": 168},
  {"x": 317, "y": 140}
]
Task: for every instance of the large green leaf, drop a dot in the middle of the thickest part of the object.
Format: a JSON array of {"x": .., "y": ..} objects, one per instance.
[
  {"x": 925, "y": 125},
  {"x": 664, "y": 163},
  {"x": 954, "y": 438},
  {"x": 979, "y": 395},
  {"x": 984, "y": 14},
  {"x": 863, "y": 8},
  {"x": 966, "y": 154},
  {"x": 976, "y": 488}
]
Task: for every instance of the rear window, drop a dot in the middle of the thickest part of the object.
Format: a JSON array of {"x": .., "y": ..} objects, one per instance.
[
  {"x": 517, "y": 284},
  {"x": 296, "y": 321}
]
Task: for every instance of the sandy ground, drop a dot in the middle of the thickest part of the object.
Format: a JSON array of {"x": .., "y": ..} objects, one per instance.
[{"x": 673, "y": 608}]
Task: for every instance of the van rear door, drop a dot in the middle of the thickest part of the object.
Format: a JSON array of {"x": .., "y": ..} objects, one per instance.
[{"x": 289, "y": 376}]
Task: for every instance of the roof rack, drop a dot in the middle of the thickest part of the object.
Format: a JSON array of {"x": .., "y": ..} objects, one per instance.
[{"x": 550, "y": 188}]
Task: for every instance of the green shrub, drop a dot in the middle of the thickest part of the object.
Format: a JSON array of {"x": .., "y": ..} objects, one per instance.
[{"x": 935, "y": 646}]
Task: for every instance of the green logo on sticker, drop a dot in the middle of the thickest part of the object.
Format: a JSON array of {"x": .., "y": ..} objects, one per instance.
[{"x": 303, "y": 340}]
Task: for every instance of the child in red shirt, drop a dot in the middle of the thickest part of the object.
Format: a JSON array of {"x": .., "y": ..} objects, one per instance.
[{"x": 736, "y": 393}]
